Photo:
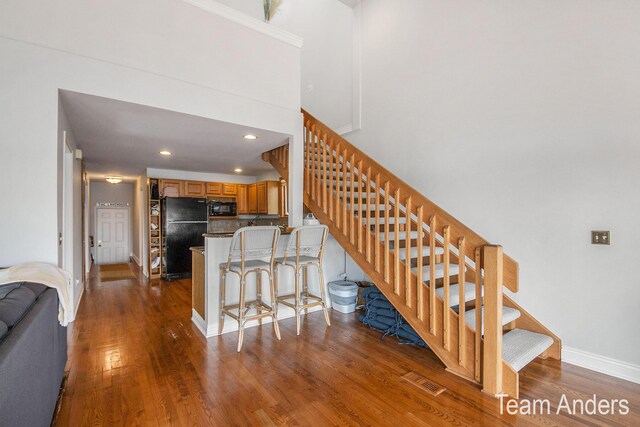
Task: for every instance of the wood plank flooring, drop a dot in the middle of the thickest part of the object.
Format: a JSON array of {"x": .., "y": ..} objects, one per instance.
[{"x": 136, "y": 359}]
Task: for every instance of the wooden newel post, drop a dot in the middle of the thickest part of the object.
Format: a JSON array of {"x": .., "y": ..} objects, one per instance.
[{"x": 492, "y": 354}]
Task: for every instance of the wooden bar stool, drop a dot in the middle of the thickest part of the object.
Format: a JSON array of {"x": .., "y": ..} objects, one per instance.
[
  {"x": 305, "y": 250},
  {"x": 252, "y": 251}
]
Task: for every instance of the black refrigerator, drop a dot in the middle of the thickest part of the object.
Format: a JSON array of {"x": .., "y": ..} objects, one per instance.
[{"x": 184, "y": 221}]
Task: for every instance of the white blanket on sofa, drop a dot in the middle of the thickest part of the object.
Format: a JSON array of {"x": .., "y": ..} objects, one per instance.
[{"x": 47, "y": 274}]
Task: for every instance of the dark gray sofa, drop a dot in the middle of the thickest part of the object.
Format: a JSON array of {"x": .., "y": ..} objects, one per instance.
[{"x": 33, "y": 354}]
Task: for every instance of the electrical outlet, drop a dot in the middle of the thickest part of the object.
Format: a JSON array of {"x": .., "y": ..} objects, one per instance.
[{"x": 600, "y": 237}]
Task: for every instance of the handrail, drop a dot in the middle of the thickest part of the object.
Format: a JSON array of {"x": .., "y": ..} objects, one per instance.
[
  {"x": 457, "y": 229},
  {"x": 400, "y": 239}
]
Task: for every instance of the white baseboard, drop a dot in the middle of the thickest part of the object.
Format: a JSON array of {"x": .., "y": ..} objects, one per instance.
[
  {"x": 75, "y": 310},
  {"x": 135, "y": 259},
  {"x": 602, "y": 364},
  {"x": 199, "y": 322},
  {"x": 211, "y": 330}
]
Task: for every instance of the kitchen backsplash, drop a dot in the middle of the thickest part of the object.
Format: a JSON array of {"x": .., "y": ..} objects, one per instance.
[{"x": 230, "y": 225}]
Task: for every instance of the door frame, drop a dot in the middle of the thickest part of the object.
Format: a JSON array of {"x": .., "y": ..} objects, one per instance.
[
  {"x": 66, "y": 239},
  {"x": 96, "y": 209}
]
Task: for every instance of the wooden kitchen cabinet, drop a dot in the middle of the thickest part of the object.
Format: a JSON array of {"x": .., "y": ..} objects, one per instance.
[
  {"x": 229, "y": 189},
  {"x": 272, "y": 197},
  {"x": 261, "y": 196},
  {"x": 252, "y": 199},
  {"x": 171, "y": 188},
  {"x": 241, "y": 199},
  {"x": 264, "y": 198},
  {"x": 194, "y": 189},
  {"x": 214, "y": 189}
]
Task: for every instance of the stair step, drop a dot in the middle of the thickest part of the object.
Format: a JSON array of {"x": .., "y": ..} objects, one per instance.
[
  {"x": 454, "y": 269},
  {"x": 401, "y": 235},
  {"x": 392, "y": 220},
  {"x": 508, "y": 315},
  {"x": 372, "y": 208},
  {"x": 519, "y": 347},
  {"x": 356, "y": 186},
  {"x": 356, "y": 192},
  {"x": 454, "y": 291},
  {"x": 334, "y": 172},
  {"x": 426, "y": 251},
  {"x": 356, "y": 197}
]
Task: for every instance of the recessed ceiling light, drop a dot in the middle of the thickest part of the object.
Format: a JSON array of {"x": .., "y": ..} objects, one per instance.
[
  {"x": 114, "y": 179},
  {"x": 237, "y": 170},
  {"x": 165, "y": 153},
  {"x": 249, "y": 136}
]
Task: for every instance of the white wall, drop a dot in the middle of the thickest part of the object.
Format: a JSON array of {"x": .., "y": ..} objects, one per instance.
[
  {"x": 521, "y": 119},
  {"x": 327, "y": 53},
  {"x": 169, "y": 55},
  {"x": 272, "y": 175},
  {"x": 103, "y": 192}
]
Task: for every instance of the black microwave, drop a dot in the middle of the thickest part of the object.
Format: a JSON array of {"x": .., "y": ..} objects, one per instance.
[{"x": 222, "y": 208}]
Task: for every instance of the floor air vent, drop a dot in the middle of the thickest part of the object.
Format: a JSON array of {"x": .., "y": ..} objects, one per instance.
[{"x": 423, "y": 383}]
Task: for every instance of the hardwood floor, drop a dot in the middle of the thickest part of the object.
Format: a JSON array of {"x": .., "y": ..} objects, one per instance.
[{"x": 136, "y": 359}]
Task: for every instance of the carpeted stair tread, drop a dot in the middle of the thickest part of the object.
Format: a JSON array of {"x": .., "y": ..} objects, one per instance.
[
  {"x": 402, "y": 235},
  {"x": 454, "y": 290},
  {"x": 426, "y": 251},
  {"x": 508, "y": 315},
  {"x": 519, "y": 347},
  {"x": 392, "y": 220},
  {"x": 454, "y": 269}
]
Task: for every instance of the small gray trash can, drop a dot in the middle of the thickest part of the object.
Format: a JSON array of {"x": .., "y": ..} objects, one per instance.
[{"x": 344, "y": 295}]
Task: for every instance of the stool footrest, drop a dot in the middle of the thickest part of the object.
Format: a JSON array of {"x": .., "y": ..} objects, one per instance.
[
  {"x": 302, "y": 295},
  {"x": 256, "y": 316},
  {"x": 302, "y": 306}
]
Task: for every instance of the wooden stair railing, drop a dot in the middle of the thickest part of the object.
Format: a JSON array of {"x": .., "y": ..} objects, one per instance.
[{"x": 382, "y": 223}]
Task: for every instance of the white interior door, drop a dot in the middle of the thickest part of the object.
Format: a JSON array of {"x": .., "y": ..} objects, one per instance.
[{"x": 112, "y": 229}]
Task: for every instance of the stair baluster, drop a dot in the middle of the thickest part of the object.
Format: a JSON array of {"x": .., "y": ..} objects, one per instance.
[
  {"x": 355, "y": 196},
  {"x": 446, "y": 310},
  {"x": 432, "y": 275},
  {"x": 420, "y": 282},
  {"x": 368, "y": 230},
  {"x": 409, "y": 290},
  {"x": 462, "y": 277}
]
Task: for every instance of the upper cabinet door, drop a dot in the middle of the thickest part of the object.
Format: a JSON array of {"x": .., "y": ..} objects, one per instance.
[
  {"x": 229, "y": 189},
  {"x": 252, "y": 200},
  {"x": 241, "y": 199},
  {"x": 194, "y": 189},
  {"x": 214, "y": 189},
  {"x": 261, "y": 191},
  {"x": 171, "y": 188}
]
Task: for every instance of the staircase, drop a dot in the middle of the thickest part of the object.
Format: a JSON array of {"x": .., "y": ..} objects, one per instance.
[{"x": 442, "y": 277}]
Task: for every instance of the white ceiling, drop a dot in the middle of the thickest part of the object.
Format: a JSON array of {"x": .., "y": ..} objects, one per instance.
[{"x": 120, "y": 138}]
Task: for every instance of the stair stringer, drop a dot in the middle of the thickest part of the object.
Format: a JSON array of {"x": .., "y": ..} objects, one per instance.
[
  {"x": 450, "y": 357},
  {"x": 528, "y": 322}
]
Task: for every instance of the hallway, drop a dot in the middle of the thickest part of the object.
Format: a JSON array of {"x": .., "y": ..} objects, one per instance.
[{"x": 136, "y": 359}]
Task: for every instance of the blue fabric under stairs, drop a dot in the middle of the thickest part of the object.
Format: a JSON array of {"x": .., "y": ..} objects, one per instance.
[{"x": 380, "y": 314}]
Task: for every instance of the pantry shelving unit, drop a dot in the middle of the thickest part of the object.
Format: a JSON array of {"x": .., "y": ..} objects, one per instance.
[{"x": 155, "y": 231}]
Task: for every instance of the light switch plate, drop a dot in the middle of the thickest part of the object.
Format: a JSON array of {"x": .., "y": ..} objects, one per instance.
[{"x": 599, "y": 237}]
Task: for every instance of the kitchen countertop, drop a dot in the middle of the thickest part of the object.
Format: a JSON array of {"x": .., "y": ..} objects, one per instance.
[
  {"x": 222, "y": 234},
  {"x": 198, "y": 249}
]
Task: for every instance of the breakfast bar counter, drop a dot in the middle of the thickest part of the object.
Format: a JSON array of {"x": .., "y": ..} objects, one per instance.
[{"x": 216, "y": 252}]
